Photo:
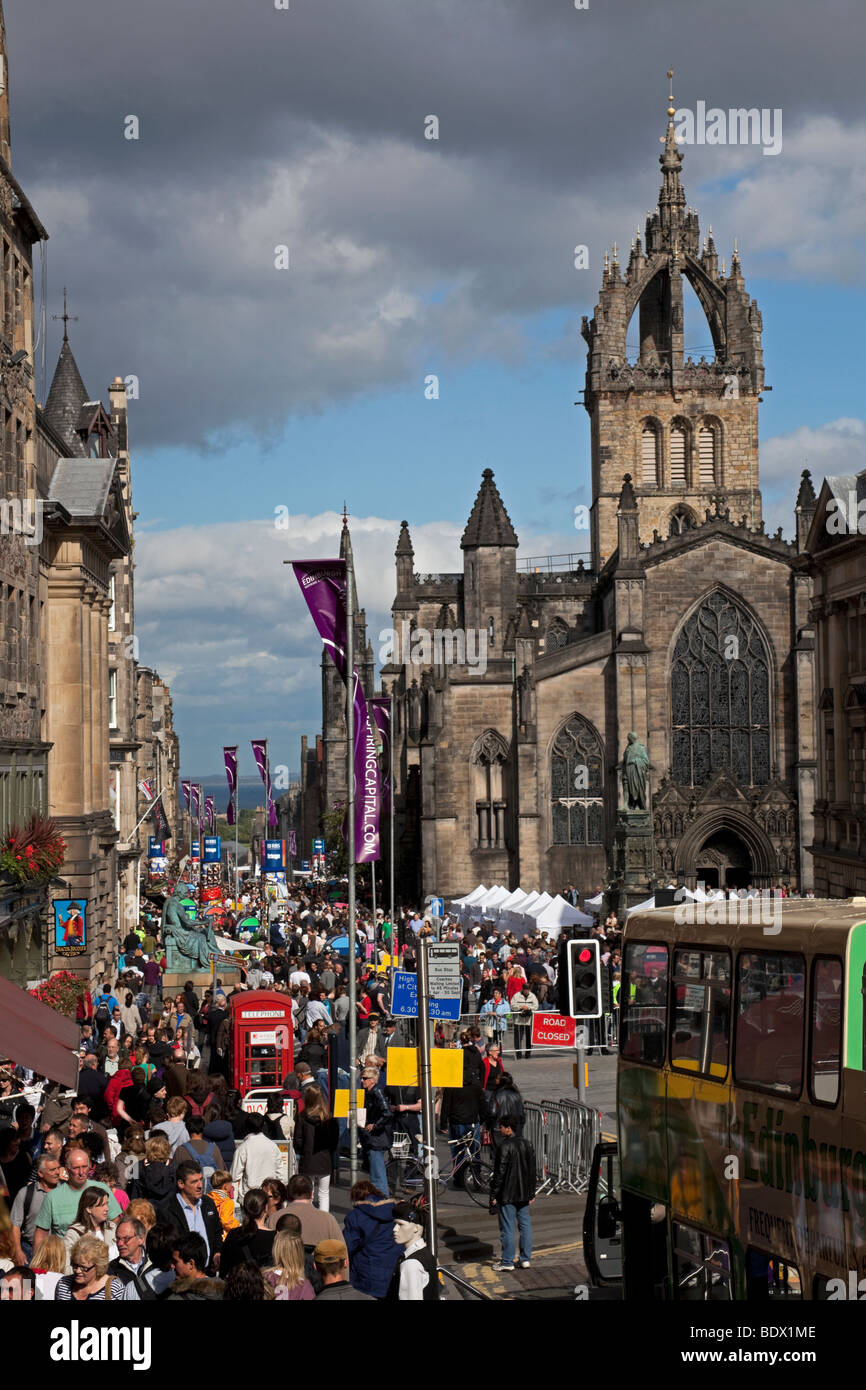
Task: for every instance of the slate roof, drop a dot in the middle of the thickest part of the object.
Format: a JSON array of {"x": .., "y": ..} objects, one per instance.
[
  {"x": 82, "y": 485},
  {"x": 489, "y": 522},
  {"x": 65, "y": 399}
]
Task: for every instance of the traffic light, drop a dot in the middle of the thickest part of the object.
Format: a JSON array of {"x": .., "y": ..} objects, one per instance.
[{"x": 584, "y": 979}]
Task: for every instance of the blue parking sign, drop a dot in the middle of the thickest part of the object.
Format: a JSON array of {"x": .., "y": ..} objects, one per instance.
[{"x": 405, "y": 1000}]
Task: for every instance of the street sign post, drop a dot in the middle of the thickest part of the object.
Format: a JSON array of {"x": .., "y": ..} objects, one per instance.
[
  {"x": 404, "y": 1003},
  {"x": 443, "y": 964}
]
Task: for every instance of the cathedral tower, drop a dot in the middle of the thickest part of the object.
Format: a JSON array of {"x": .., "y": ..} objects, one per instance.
[{"x": 686, "y": 431}]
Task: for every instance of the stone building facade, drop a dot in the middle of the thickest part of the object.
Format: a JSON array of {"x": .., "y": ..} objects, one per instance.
[
  {"x": 68, "y": 652},
  {"x": 158, "y": 761},
  {"x": 834, "y": 524},
  {"x": 690, "y": 627},
  {"x": 23, "y": 583}
]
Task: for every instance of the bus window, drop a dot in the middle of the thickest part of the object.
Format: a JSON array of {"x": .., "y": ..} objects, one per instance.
[
  {"x": 769, "y": 1277},
  {"x": 701, "y": 1024},
  {"x": 826, "y": 1041},
  {"x": 771, "y": 989},
  {"x": 643, "y": 1003},
  {"x": 702, "y": 1266}
]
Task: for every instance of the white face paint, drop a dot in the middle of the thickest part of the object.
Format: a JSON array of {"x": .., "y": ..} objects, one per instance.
[{"x": 406, "y": 1231}]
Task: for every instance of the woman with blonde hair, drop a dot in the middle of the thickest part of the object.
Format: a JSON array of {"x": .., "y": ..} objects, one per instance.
[
  {"x": 89, "y": 1277},
  {"x": 48, "y": 1265},
  {"x": 92, "y": 1220},
  {"x": 286, "y": 1276},
  {"x": 141, "y": 1210}
]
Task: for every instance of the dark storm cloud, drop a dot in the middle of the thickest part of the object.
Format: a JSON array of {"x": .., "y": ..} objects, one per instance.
[{"x": 305, "y": 127}]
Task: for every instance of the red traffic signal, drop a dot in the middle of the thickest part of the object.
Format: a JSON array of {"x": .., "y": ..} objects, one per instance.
[{"x": 583, "y": 980}]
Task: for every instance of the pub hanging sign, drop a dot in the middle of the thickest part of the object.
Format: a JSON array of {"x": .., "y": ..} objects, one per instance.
[{"x": 70, "y": 926}]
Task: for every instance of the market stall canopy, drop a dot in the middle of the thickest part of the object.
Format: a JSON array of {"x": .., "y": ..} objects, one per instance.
[
  {"x": 37, "y": 1037},
  {"x": 641, "y": 907},
  {"x": 559, "y": 914},
  {"x": 594, "y": 904},
  {"x": 513, "y": 901},
  {"x": 491, "y": 900},
  {"x": 541, "y": 902},
  {"x": 228, "y": 946},
  {"x": 470, "y": 898},
  {"x": 516, "y": 914}
]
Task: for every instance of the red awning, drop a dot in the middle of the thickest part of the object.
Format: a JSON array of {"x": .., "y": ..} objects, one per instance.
[{"x": 36, "y": 1036}]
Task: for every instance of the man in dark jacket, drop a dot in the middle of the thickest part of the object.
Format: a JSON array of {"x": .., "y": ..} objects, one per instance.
[
  {"x": 378, "y": 1132},
  {"x": 332, "y": 1261},
  {"x": 368, "y": 1230},
  {"x": 460, "y": 1112},
  {"x": 512, "y": 1192},
  {"x": 190, "y": 1211}
]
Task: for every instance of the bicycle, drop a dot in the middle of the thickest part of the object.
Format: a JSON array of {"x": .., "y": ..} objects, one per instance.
[{"x": 405, "y": 1169}]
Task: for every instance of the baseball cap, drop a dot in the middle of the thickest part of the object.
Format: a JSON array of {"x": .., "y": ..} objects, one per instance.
[{"x": 330, "y": 1250}]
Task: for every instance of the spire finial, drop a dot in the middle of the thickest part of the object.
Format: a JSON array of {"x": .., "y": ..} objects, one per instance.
[
  {"x": 66, "y": 317},
  {"x": 345, "y": 518}
]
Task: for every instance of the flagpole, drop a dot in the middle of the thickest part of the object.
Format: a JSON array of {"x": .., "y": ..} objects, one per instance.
[
  {"x": 373, "y": 882},
  {"x": 350, "y": 796},
  {"x": 237, "y": 840}
]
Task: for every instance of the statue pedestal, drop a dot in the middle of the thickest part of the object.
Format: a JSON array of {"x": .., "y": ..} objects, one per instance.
[
  {"x": 634, "y": 858},
  {"x": 174, "y": 980}
]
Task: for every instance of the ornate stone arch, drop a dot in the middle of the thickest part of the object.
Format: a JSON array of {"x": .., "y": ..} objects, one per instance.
[
  {"x": 576, "y": 756},
  {"x": 489, "y": 760},
  {"x": 722, "y": 694},
  {"x": 765, "y": 862},
  {"x": 556, "y": 635}
]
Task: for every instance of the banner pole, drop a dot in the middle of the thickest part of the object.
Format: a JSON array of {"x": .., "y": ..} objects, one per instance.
[
  {"x": 237, "y": 842},
  {"x": 393, "y": 942},
  {"x": 350, "y": 795}
]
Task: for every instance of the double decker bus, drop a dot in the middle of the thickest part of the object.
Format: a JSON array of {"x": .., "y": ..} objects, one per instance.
[{"x": 740, "y": 1166}]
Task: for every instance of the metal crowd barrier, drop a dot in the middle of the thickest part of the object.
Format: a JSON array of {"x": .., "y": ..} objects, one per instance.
[{"x": 563, "y": 1135}]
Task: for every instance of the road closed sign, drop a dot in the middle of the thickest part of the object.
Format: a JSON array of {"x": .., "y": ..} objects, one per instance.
[{"x": 553, "y": 1030}]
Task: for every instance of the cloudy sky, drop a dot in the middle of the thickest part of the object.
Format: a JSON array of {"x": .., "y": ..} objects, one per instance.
[{"x": 265, "y": 390}]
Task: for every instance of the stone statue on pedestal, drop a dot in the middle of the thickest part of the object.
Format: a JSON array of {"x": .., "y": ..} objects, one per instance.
[
  {"x": 189, "y": 941},
  {"x": 635, "y": 769}
]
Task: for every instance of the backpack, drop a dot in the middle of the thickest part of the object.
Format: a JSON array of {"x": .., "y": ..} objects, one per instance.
[
  {"x": 198, "y": 1108},
  {"x": 103, "y": 1012}
]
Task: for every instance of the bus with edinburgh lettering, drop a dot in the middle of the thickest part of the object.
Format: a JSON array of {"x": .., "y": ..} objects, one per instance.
[{"x": 740, "y": 1166}]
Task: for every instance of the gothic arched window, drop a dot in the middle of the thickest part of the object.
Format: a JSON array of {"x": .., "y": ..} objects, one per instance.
[
  {"x": 720, "y": 697},
  {"x": 649, "y": 454},
  {"x": 682, "y": 519},
  {"x": 557, "y": 635},
  {"x": 709, "y": 454},
  {"x": 577, "y": 784},
  {"x": 489, "y": 758},
  {"x": 678, "y": 453}
]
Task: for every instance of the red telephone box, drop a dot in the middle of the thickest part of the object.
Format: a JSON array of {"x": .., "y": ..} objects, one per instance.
[{"x": 262, "y": 1039}]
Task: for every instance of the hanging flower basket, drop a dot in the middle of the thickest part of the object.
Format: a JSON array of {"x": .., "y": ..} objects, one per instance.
[
  {"x": 33, "y": 854},
  {"x": 62, "y": 992}
]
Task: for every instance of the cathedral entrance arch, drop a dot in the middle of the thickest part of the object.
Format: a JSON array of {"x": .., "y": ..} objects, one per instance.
[
  {"x": 727, "y": 849},
  {"x": 724, "y": 861}
]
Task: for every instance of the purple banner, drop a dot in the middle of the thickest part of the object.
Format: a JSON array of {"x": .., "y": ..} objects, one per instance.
[
  {"x": 293, "y": 844},
  {"x": 210, "y": 814},
  {"x": 323, "y": 584},
  {"x": 380, "y": 708},
  {"x": 260, "y": 753},
  {"x": 231, "y": 761},
  {"x": 186, "y": 788}
]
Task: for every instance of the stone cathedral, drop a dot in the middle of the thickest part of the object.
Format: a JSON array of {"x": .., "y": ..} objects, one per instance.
[{"x": 689, "y": 627}]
